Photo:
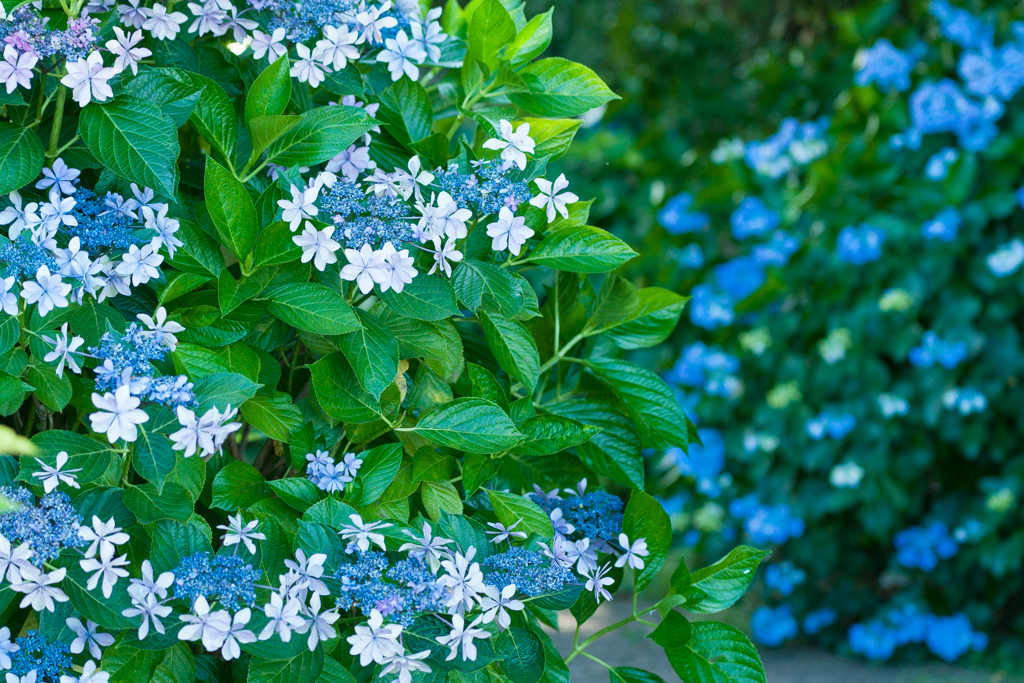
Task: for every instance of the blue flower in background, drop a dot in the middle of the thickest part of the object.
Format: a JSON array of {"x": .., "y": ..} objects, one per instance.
[
  {"x": 873, "y": 640},
  {"x": 934, "y": 350},
  {"x": 710, "y": 309},
  {"x": 819, "y": 619},
  {"x": 948, "y": 637},
  {"x": 784, "y": 577},
  {"x": 795, "y": 144},
  {"x": 677, "y": 218},
  {"x": 942, "y": 108},
  {"x": 938, "y": 165},
  {"x": 772, "y": 627},
  {"x": 922, "y": 547},
  {"x": 777, "y": 250},
  {"x": 766, "y": 523},
  {"x": 703, "y": 463},
  {"x": 1007, "y": 259},
  {"x": 993, "y": 72},
  {"x": 835, "y": 426},
  {"x": 886, "y": 66},
  {"x": 752, "y": 217},
  {"x": 673, "y": 505},
  {"x": 943, "y": 227},
  {"x": 951, "y": 637},
  {"x": 691, "y": 257},
  {"x": 740, "y": 277},
  {"x": 707, "y": 367},
  {"x": 909, "y": 139},
  {"x": 861, "y": 244},
  {"x": 964, "y": 400},
  {"x": 960, "y": 26}
]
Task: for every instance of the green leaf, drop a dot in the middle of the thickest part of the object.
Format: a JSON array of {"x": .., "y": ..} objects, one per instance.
[
  {"x": 174, "y": 541},
  {"x": 510, "y": 508},
  {"x": 615, "y": 451},
  {"x": 531, "y": 40},
  {"x": 312, "y": 307},
  {"x": 276, "y": 416},
  {"x": 717, "y": 653},
  {"x": 440, "y": 497},
  {"x": 275, "y": 246},
  {"x": 469, "y": 424},
  {"x": 89, "y": 454},
  {"x": 519, "y": 651},
  {"x": 238, "y": 485},
  {"x": 176, "y": 98},
  {"x": 718, "y": 586},
  {"x": 427, "y": 297},
  {"x": 651, "y": 402},
  {"x": 582, "y": 249},
  {"x": 338, "y": 391},
  {"x": 264, "y": 130},
  {"x": 53, "y": 391},
  {"x": 150, "y": 505},
  {"x": 21, "y": 157},
  {"x": 92, "y": 320},
  {"x": 153, "y": 457},
  {"x": 549, "y": 434},
  {"x": 270, "y": 92},
  {"x": 513, "y": 346},
  {"x": 231, "y": 209},
  {"x": 478, "y": 284},
  {"x": 673, "y": 631},
  {"x": 629, "y": 674},
  {"x": 380, "y": 465},
  {"x": 222, "y": 389},
  {"x": 373, "y": 352},
  {"x": 323, "y": 133},
  {"x": 651, "y": 322},
  {"x": 486, "y": 386},
  {"x": 10, "y": 332},
  {"x": 297, "y": 492},
  {"x": 127, "y": 664},
  {"x": 200, "y": 254},
  {"x": 302, "y": 667},
  {"x": 558, "y": 87},
  {"x": 92, "y": 605},
  {"x": 552, "y": 136},
  {"x": 616, "y": 301},
  {"x": 405, "y": 109},
  {"x": 645, "y": 518},
  {"x": 490, "y": 29},
  {"x": 214, "y": 115},
  {"x": 133, "y": 139}
]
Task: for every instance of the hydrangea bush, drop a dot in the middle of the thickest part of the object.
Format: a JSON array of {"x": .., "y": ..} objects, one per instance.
[
  {"x": 309, "y": 372},
  {"x": 855, "y": 354}
]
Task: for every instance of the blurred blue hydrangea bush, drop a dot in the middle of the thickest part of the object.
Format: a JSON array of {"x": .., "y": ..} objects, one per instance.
[{"x": 855, "y": 354}]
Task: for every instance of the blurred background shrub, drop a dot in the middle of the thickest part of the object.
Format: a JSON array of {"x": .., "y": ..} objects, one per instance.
[{"x": 836, "y": 186}]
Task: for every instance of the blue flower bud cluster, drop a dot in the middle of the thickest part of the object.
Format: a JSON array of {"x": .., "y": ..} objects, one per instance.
[
  {"x": 860, "y": 245},
  {"x": 135, "y": 350},
  {"x": 48, "y": 529},
  {"x": 772, "y": 626},
  {"x": 225, "y": 578},
  {"x": 795, "y": 144},
  {"x": 303, "y": 20},
  {"x": 36, "y": 653},
  {"x": 99, "y": 227},
  {"x": 784, "y": 577},
  {"x": 595, "y": 514},
  {"x": 948, "y": 637},
  {"x": 885, "y": 66},
  {"x": 530, "y": 572},
  {"x": 677, "y": 218},
  {"x": 766, "y": 523},
  {"x": 489, "y": 189},
  {"x": 23, "y": 258},
  {"x": 400, "y": 592},
  {"x": 707, "y": 367},
  {"x": 933, "y": 349},
  {"x": 26, "y": 30},
  {"x": 921, "y": 547},
  {"x": 365, "y": 219}
]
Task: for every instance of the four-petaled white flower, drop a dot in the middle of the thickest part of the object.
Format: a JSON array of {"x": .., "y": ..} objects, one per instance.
[
  {"x": 396, "y": 269},
  {"x": 142, "y": 265},
  {"x": 307, "y": 69},
  {"x": 131, "y": 14},
  {"x": 48, "y": 291},
  {"x": 40, "y": 589},
  {"x": 462, "y": 636},
  {"x": 509, "y": 231},
  {"x": 362, "y": 534},
  {"x": 370, "y": 21},
  {"x": 202, "y": 624},
  {"x": 557, "y": 551},
  {"x": 337, "y": 47},
  {"x": 403, "y": 665},
  {"x": 163, "y": 226},
  {"x": 16, "y": 69},
  {"x": 283, "y": 615},
  {"x": 319, "y": 623},
  {"x": 162, "y": 328},
  {"x": 90, "y": 674},
  {"x": 362, "y": 267},
  {"x": 52, "y": 477},
  {"x": 514, "y": 145},
  {"x": 128, "y": 55},
  {"x": 496, "y": 604},
  {"x": 271, "y": 44},
  {"x": 401, "y": 55},
  {"x": 429, "y": 36},
  {"x": 86, "y": 635},
  {"x": 317, "y": 246},
  {"x": 304, "y": 573},
  {"x": 6, "y": 647},
  {"x": 237, "y": 25},
  {"x": 430, "y": 548},
  {"x": 351, "y": 162},
  {"x": 57, "y": 211},
  {"x": 299, "y": 207},
  {"x": 8, "y": 298},
  {"x": 105, "y": 567},
  {"x": 464, "y": 578},
  {"x": 503, "y": 533},
  {"x": 151, "y": 610},
  {"x": 237, "y": 531},
  {"x": 118, "y": 415},
  {"x": 560, "y": 524},
  {"x": 236, "y": 634},
  {"x": 582, "y": 554},
  {"x": 13, "y": 559},
  {"x": 552, "y": 198},
  {"x": 63, "y": 348},
  {"x": 597, "y": 579},
  {"x": 374, "y": 641},
  {"x": 88, "y": 79},
  {"x": 160, "y": 24},
  {"x": 444, "y": 255},
  {"x": 147, "y": 586},
  {"x": 19, "y": 216},
  {"x": 632, "y": 554},
  {"x": 209, "y": 17}
]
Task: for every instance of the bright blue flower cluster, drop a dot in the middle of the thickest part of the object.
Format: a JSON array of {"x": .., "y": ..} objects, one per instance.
[
  {"x": 965, "y": 400},
  {"x": 678, "y": 218},
  {"x": 99, "y": 227},
  {"x": 860, "y": 245},
  {"x": 752, "y": 217},
  {"x": 596, "y": 514},
  {"x": 303, "y": 20},
  {"x": 23, "y": 258},
  {"x": 832, "y": 425},
  {"x": 127, "y": 358},
  {"x": 943, "y": 108},
  {"x": 408, "y": 590},
  {"x": 766, "y": 523},
  {"x": 28, "y": 32},
  {"x": 948, "y": 637},
  {"x": 226, "y": 578},
  {"x": 36, "y": 653},
  {"x": 795, "y": 144},
  {"x": 710, "y": 309},
  {"x": 487, "y": 190},
  {"x": 885, "y": 66},
  {"x": 922, "y": 547},
  {"x": 739, "y": 277},
  {"x": 366, "y": 218},
  {"x": 784, "y": 577},
  {"x": 777, "y": 250},
  {"x": 819, "y": 619},
  {"x": 48, "y": 529},
  {"x": 709, "y": 368},
  {"x": 933, "y": 349},
  {"x": 960, "y": 26},
  {"x": 530, "y": 572},
  {"x": 703, "y": 463},
  {"x": 773, "y": 626},
  {"x": 691, "y": 256},
  {"x": 944, "y": 226}
]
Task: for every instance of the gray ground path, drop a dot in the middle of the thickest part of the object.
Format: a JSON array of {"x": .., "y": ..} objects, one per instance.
[{"x": 629, "y": 647}]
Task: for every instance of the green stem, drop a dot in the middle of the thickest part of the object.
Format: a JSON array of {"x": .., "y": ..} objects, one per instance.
[
  {"x": 58, "y": 120},
  {"x": 255, "y": 171},
  {"x": 68, "y": 144},
  {"x": 599, "y": 661},
  {"x": 578, "y": 647}
]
